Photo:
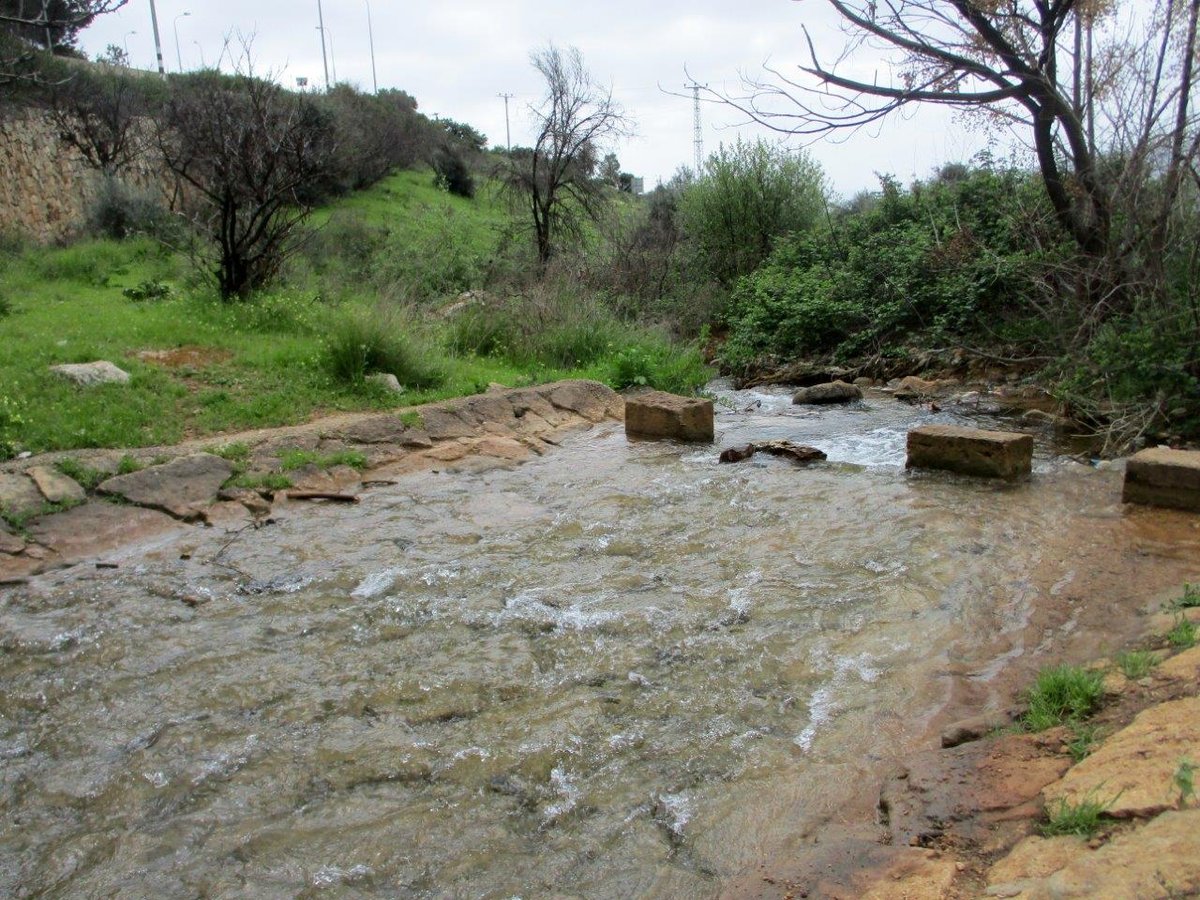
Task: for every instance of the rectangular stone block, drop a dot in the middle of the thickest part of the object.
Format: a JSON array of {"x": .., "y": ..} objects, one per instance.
[
  {"x": 1161, "y": 476},
  {"x": 971, "y": 451},
  {"x": 657, "y": 414}
]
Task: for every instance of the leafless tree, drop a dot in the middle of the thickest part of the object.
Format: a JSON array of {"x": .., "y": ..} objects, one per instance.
[
  {"x": 1104, "y": 97},
  {"x": 250, "y": 153},
  {"x": 29, "y": 25},
  {"x": 553, "y": 182},
  {"x": 97, "y": 112}
]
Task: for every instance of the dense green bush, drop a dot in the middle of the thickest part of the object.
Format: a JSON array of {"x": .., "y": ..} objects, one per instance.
[
  {"x": 941, "y": 260},
  {"x": 746, "y": 198},
  {"x": 121, "y": 210}
]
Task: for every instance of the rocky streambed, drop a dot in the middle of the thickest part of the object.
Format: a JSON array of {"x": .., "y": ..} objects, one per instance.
[{"x": 618, "y": 668}]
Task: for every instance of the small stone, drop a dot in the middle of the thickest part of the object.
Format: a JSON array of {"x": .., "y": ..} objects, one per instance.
[
  {"x": 55, "y": 486},
  {"x": 387, "y": 381},
  {"x": 91, "y": 374},
  {"x": 832, "y": 392}
]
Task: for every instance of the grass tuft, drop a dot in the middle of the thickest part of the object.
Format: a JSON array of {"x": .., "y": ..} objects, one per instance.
[
  {"x": 87, "y": 477},
  {"x": 298, "y": 459},
  {"x": 1183, "y": 634},
  {"x": 1062, "y": 694},
  {"x": 1136, "y": 664},
  {"x": 1082, "y": 818},
  {"x": 1190, "y": 598},
  {"x": 362, "y": 343}
]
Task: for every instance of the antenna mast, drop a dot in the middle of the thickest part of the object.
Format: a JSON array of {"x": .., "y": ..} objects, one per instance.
[{"x": 698, "y": 132}]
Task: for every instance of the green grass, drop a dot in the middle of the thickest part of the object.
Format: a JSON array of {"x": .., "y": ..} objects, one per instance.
[
  {"x": 298, "y": 459},
  {"x": 87, "y": 477},
  {"x": 1136, "y": 664},
  {"x": 1082, "y": 742},
  {"x": 268, "y": 481},
  {"x": 1190, "y": 598},
  {"x": 274, "y": 361},
  {"x": 1063, "y": 694},
  {"x": 1183, "y": 634},
  {"x": 1185, "y": 781},
  {"x": 1082, "y": 818}
]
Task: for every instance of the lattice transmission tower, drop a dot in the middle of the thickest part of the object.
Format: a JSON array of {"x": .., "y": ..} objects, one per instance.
[{"x": 698, "y": 132}]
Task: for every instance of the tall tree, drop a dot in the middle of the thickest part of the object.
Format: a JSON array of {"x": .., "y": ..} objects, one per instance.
[
  {"x": 1046, "y": 67},
  {"x": 553, "y": 182},
  {"x": 29, "y": 25}
]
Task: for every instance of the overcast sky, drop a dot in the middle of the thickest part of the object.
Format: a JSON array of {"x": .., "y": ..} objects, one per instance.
[{"x": 456, "y": 56}]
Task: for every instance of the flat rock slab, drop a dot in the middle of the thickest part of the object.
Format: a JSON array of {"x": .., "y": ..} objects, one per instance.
[
  {"x": 831, "y": 392},
  {"x": 97, "y": 528},
  {"x": 1160, "y": 476},
  {"x": 1159, "y": 859},
  {"x": 384, "y": 429},
  {"x": 18, "y": 493},
  {"x": 590, "y": 399},
  {"x": 657, "y": 414},
  {"x": 55, "y": 486},
  {"x": 1134, "y": 770},
  {"x": 9, "y": 542},
  {"x": 970, "y": 451},
  {"x": 180, "y": 487},
  {"x": 92, "y": 374}
]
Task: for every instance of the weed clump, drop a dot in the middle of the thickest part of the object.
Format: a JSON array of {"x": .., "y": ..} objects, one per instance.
[
  {"x": 1183, "y": 633},
  {"x": 360, "y": 344},
  {"x": 1082, "y": 818},
  {"x": 1136, "y": 664},
  {"x": 1063, "y": 694}
]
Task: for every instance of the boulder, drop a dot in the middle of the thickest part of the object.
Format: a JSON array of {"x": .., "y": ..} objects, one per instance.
[
  {"x": 914, "y": 388},
  {"x": 180, "y": 487},
  {"x": 18, "y": 493},
  {"x": 387, "y": 381},
  {"x": 737, "y": 454},
  {"x": 55, "y": 486},
  {"x": 1163, "y": 477},
  {"x": 795, "y": 452},
  {"x": 91, "y": 374},
  {"x": 657, "y": 414},
  {"x": 992, "y": 454},
  {"x": 831, "y": 392}
]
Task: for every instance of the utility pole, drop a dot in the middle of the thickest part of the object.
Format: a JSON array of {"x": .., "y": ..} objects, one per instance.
[
  {"x": 698, "y": 132},
  {"x": 371, "y": 35},
  {"x": 324, "y": 58},
  {"x": 162, "y": 70},
  {"x": 507, "y": 132}
]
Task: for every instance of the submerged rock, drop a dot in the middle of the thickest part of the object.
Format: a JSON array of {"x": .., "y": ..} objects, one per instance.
[
  {"x": 657, "y": 414},
  {"x": 795, "y": 452},
  {"x": 831, "y": 392}
]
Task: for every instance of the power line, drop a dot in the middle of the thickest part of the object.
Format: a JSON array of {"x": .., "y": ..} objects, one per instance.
[
  {"x": 698, "y": 132},
  {"x": 507, "y": 132}
]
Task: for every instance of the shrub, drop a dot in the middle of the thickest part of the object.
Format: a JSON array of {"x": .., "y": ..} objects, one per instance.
[
  {"x": 1182, "y": 634},
  {"x": 121, "y": 211},
  {"x": 362, "y": 343},
  {"x": 659, "y": 365},
  {"x": 144, "y": 291},
  {"x": 452, "y": 174},
  {"x": 1190, "y": 598},
  {"x": 1063, "y": 693}
]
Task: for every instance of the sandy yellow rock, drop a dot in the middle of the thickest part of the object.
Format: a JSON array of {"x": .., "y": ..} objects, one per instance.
[{"x": 1133, "y": 772}]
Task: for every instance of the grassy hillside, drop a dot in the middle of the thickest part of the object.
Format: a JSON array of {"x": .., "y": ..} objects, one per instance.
[{"x": 378, "y": 265}]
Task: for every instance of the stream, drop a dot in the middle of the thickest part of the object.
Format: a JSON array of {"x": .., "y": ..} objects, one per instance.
[{"x": 620, "y": 669}]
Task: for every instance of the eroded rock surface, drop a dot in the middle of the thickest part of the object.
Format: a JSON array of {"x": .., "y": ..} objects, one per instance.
[
  {"x": 97, "y": 528},
  {"x": 180, "y": 487},
  {"x": 1133, "y": 772}
]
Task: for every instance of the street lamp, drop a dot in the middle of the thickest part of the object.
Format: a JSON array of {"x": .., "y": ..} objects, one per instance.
[
  {"x": 203, "y": 64},
  {"x": 178, "y": 55},
  {"x": 127, "y": 34},
  {"x": 332, "y": 56},
  {"x": 371, "y": 35}
]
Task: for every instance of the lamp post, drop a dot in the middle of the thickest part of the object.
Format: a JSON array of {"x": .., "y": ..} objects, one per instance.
[
  {"x": 321, "y": 28},
  {"x": 332, "y": 55},
  {"x": 162, "y": 70},
  {"x": 127, "y": 34},
  {"x": 371, "y": 35},
  {"x": 203, "y": 64},
  {"x": 178, "y": 55}
]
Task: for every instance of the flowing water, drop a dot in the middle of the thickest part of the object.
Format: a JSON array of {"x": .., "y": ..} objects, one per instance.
[{"x": 620, "y": 669}]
